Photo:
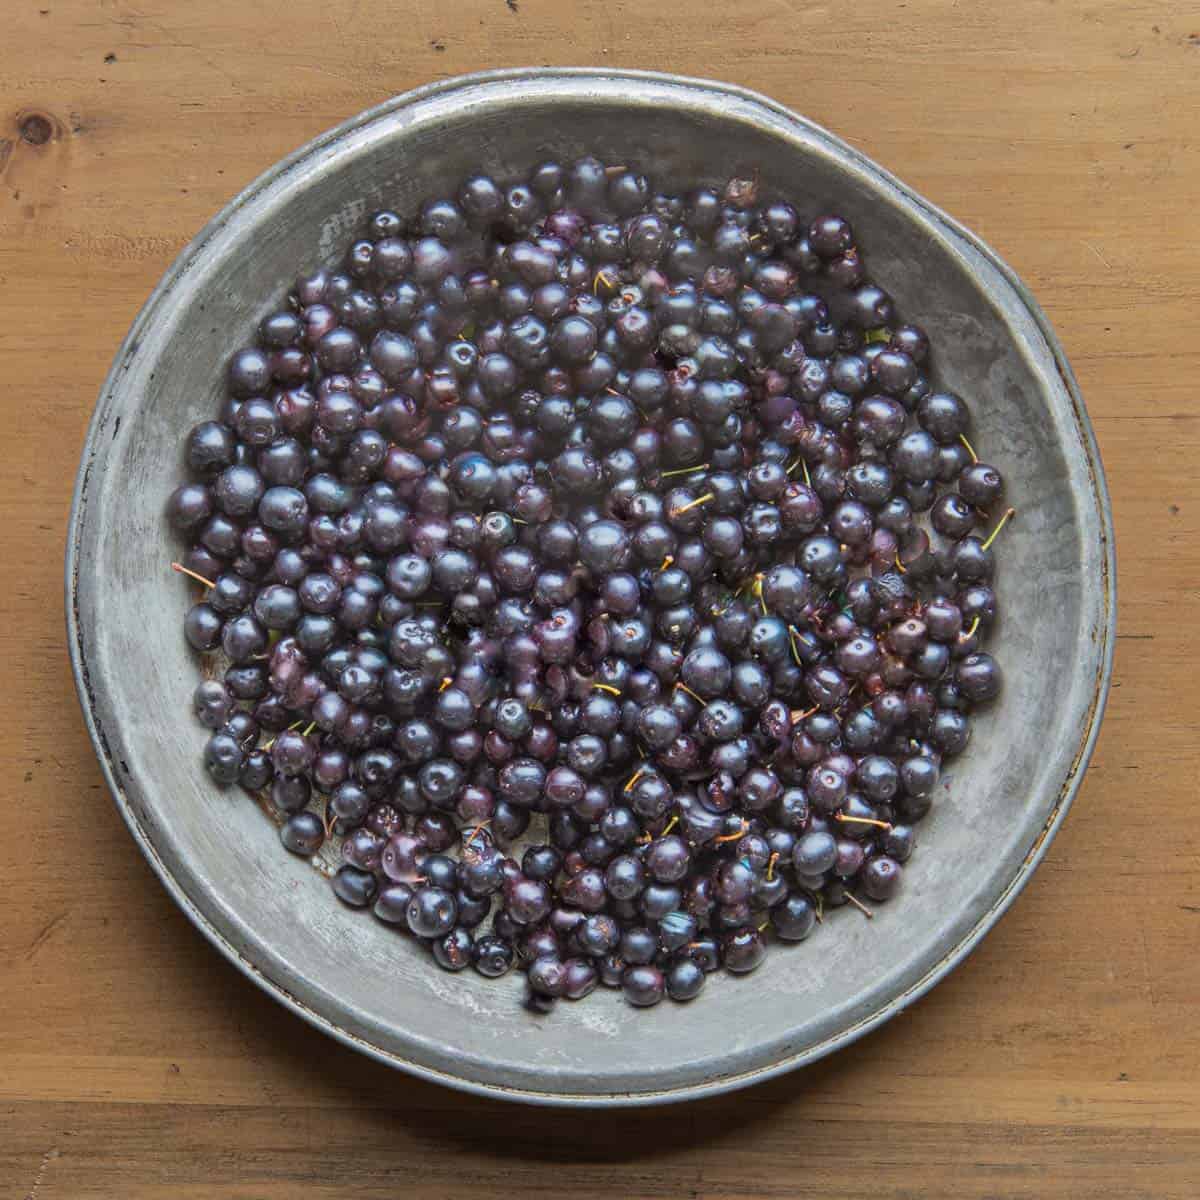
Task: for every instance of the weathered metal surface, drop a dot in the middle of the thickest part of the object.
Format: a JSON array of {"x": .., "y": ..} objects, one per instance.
[{"x": 274, "y": 917}]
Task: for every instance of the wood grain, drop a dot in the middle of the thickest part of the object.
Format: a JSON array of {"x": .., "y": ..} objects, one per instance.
[{"x": 1062, "y": 1060}]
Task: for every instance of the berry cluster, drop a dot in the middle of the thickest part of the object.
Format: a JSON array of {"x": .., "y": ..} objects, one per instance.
[{"x": 621, "y": 522}]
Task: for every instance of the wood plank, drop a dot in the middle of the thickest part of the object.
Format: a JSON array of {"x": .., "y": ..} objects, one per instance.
[{"x": 1061, "y": 1060}]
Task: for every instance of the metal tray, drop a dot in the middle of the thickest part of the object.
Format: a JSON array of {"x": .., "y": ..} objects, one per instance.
[{"x": 274, "y": 917}]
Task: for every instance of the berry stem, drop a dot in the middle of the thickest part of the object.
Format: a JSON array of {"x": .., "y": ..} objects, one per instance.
[
  {"x": 634, "y": 778},
  {"x": 471, "y": 836},
  {"x": 862, "y": 908},
  {"x": 732, "y": 837},
  {"x": 208, "y": 583},
  {"x": 771, "y": 865},
  {"x": 606, "y": 687},
  {"x": 684, "y": 471},
  {"x": 675, "y": 512},
  {"x": 962, "y": 437},
  {"x": 861, "y": 821},
  {"x": 1003, "y": 521},
  {"x": 683, "y": 687},
  {"x": 793, "y": 634}
]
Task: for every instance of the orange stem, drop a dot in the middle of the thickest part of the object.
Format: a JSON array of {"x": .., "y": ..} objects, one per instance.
[
  {"x": 732, "y": 837},
  {"x": 862, "y": 821},
  {"x": 189, "y": 572},
  {"x": 675, "y": 512}
]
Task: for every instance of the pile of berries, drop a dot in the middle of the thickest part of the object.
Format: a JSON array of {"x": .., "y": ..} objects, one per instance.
[{"x": 596, "y": 571}]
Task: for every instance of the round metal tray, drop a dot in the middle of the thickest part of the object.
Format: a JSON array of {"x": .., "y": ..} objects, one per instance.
[{"x": 273, "y": 916}]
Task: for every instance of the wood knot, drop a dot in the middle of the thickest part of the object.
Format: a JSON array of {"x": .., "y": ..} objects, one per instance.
[{"x": 36, "y": 128}]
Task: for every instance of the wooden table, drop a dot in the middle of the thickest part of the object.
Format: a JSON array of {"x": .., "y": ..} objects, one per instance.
[{"x": 1062, "y": 1060}]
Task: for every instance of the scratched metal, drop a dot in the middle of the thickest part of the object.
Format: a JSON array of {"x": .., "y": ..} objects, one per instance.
[{"x": 274, "y": 917}]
